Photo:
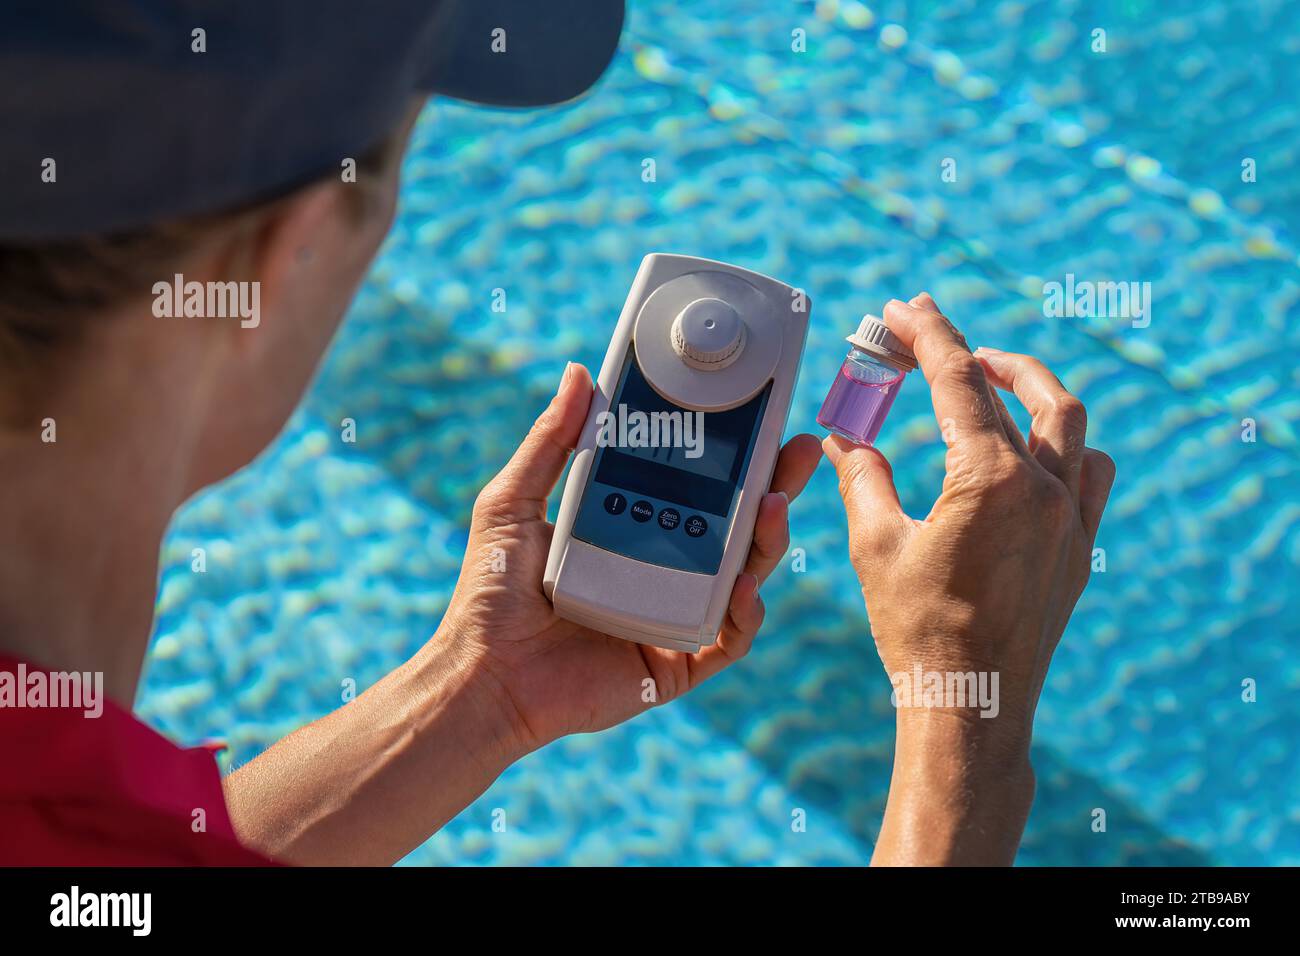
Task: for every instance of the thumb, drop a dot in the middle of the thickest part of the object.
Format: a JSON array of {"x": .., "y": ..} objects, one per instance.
[
  {"x": 876, "y": 517},
  {"x": 520, "y": 489}
]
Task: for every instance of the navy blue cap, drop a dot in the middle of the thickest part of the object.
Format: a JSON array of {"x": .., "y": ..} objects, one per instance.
[{"x": 141, "y": 128}]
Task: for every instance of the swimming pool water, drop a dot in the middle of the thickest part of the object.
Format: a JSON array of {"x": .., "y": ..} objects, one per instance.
[{"x": 329, "y": 561}]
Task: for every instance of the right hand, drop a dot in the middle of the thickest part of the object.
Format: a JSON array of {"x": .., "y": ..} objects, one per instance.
[{"x": 987, "y": 581}]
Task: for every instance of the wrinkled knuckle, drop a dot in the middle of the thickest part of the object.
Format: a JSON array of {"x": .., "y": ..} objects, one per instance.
[
  {"x": 859, "y": 550},
  {"x": 960, "y": 369},
  {"x": 490, "y": 500},
  {"x": 863, "y": 551},
  {"x": 873, "y": 546},
  {"x": 1007, "y": 475},
  {"x": 1071, "y": 413},
  {"x": 543, "y": 430},
  {"x": 849, "y": 475},
  {"x": 847, "y": 481},
  {"x": 852, "y": 475},
  {"x": 938, "y": 322},
  {"x": 957, "y": 333}
]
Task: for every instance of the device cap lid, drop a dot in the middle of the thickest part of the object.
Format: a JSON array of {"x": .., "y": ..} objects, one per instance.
[
  {"x": 708, "y": 334},
  {"x": 874, "y": 336}
]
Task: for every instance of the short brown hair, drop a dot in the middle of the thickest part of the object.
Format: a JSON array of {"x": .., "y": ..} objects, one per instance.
[{"x": 50, "y": 290}]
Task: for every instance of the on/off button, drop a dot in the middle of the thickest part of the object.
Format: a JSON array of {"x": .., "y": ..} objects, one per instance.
[{"x": 696, "y": 526}]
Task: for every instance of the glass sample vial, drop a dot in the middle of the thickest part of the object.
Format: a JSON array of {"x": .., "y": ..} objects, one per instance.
[{"x": 867, "y": 383}]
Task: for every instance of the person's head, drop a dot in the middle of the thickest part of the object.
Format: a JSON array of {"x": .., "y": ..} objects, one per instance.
[
  {"x": 196, "y": 203},
  {"x": 273, "y": 278}
]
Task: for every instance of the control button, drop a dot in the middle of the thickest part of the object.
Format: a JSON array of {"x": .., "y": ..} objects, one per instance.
[
  {"x": 669, "y": 519},
  {"x": 696, "y": 526},
  {"x": 643, "y": 511},
  {"x": 615, "y": 503},
  {"x": 708, "y": 334}
]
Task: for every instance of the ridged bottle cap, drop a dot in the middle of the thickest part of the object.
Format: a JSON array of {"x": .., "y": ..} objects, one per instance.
[
  {"x": 708, "y": 334},
  {"x": 874, "y": 336}
]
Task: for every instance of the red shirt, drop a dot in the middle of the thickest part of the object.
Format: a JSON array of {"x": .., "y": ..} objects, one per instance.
[{"x": 77, "y": 790}]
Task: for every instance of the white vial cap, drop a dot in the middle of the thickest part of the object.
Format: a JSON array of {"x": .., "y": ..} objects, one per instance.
[{"x": 873, "y": 336}]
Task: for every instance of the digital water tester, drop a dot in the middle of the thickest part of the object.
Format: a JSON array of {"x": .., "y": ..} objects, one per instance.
[{"x": 677, "y": 452}]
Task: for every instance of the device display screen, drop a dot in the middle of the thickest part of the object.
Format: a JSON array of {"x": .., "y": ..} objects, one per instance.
[
  {"x": 702, "y": 476},
  {"x": 668, "y": 505}
]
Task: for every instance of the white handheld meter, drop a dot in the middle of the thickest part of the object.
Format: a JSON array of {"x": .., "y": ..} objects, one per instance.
[{"x": 678, "y": 450}]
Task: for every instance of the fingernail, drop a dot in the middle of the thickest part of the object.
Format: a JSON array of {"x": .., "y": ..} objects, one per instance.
[
  {"x": 785, "y": 497},
  {"x": 564, "y": 379},
  {"x": 985, "y": 350}
]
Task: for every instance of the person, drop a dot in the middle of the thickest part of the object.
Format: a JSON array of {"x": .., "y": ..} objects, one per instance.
[{"x": 114, "y": 416}]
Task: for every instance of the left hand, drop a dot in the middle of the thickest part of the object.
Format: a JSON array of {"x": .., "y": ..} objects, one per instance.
[{"x": 550, "y": 676}]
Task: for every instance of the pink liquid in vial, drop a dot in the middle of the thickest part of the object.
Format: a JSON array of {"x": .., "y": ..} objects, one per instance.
[{"x": 863, "y": 392}]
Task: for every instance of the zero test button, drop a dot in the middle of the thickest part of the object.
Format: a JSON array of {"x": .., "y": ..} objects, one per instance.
[
  {"x": 669, "y": 519},
  {"x": 643, "y": 511},
  {"x": 696, "y": 526},
  {"x": 615, "y": 503}
]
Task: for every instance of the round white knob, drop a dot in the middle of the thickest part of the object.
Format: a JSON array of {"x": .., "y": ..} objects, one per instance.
[{"x": 708, "y": 334}]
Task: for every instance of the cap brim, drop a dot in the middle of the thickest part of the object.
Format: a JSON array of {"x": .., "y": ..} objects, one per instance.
[{"x": 506, "y": 53}]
